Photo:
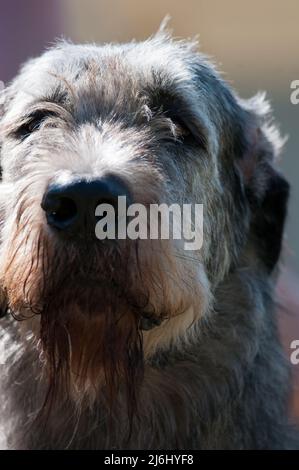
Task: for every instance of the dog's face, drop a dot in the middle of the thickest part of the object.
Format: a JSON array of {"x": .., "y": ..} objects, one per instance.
[{"x": 151, "y": 121}]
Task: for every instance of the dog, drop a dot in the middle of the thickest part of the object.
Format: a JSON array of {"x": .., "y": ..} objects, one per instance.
[{"x": 139, "y": 344}]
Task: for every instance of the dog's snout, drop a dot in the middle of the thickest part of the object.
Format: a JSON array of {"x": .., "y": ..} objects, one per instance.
[{"x": 71, "y": 208}]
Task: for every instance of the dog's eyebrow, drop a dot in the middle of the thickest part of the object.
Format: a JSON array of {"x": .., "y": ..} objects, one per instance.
[
  {"x": 58, "y": 96},
  {"x": 46, "y": 107}
]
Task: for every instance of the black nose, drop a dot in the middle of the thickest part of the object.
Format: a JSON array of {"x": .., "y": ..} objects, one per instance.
[{"x": 70, "y": 208}]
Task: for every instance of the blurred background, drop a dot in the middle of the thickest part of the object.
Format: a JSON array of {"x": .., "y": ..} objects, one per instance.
[{"x": 256, "y": 43}]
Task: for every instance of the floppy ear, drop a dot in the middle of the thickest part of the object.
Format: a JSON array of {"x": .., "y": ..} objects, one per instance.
[{"x": 267, "y": 190}]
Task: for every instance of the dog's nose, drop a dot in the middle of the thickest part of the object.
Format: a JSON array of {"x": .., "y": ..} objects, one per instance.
[{"x": 71, "y": 208}]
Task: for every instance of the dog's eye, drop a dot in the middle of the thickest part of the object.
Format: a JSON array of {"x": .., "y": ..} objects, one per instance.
[
  {"x": 180, "y": 129},
  {"x": 32, "y": 123},
  {"x": 186, "y": 131},
  {"x": 177, "y": 130}
]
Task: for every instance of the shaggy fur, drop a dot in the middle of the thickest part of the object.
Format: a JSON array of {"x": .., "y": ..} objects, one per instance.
[{"x": 140, "y": 344}]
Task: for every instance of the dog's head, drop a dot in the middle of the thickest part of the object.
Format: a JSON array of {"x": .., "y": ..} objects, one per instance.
[{"x": 154, "y": 122}]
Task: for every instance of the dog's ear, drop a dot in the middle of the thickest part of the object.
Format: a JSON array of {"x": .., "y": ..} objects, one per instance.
[{"x": 266, "y": 189}]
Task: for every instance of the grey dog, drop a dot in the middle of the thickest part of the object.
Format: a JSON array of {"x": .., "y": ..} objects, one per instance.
[{"x": 138, "y": 343}]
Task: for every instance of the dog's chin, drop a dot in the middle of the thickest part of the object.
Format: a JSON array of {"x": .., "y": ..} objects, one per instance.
[{"x": 91, "y": 342}]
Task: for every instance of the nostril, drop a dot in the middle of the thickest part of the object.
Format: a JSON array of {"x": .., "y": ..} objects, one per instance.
[
  {"x": 65, "y": 211},
  {"x": 60, "y": 212}
]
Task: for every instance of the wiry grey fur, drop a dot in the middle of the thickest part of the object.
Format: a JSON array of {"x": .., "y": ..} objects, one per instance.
[{"x": 216, "y": 377}]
